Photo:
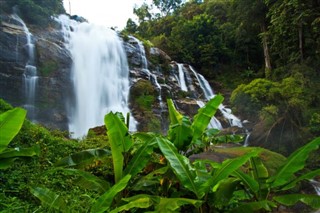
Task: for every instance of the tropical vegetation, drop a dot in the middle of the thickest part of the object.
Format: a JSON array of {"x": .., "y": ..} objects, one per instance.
[{"x": 147, "y": 171}]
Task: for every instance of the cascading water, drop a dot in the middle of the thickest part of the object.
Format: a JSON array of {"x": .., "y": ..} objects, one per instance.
[
  {"x": 30, "y": 72},
  {"x": 182, "y": 80},
  {"x": 100, "y": 75},
  {"x": 144, "y": 65}
]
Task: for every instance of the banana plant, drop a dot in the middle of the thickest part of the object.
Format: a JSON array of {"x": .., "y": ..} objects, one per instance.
[
  {"x": 10, "y": 124},
  {"x": 269, "y": 190}
]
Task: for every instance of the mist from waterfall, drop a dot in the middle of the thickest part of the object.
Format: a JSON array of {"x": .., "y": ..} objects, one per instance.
[
  {"x": 30, "y": 72},
  {"x": 100, "y": 75}
]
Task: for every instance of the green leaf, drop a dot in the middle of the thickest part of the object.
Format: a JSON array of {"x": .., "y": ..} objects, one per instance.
[
  {"x": 291, "y": 199},
  {"x": 254, "y": 207},
  {"x": 120, "y": 142},
  {"x": 141, "y": 157},
  {"x": 227, "y": 168},
  {"x": 83, "y": 158},
  {"x": 88, "y": 181},
  {"x": 49, "y": 198},
  {"x": 167, "y": 205},
  {"x": 9, "y": 155},
  {"x": 10, "y": 124},
  {"x": 180, "y": 132},
  {"x": 104, "y": 202},
  {"x": 180, "y": 165},
  {"x": 140, "y": 201},
  {"x": 224, "y": 192},
  {"x": 295, "y": 162},
  {"x": 307, "y": 176},
  {"x": 21, "y": 152},
  {"x": 248, "y": 181},
  {"x": 204, "y": 115}
]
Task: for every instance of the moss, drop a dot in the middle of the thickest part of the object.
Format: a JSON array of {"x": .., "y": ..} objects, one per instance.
[{"x": 48, "y": 67}]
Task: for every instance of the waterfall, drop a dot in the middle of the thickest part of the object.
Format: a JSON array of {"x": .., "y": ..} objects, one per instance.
[
  {"x": 100, "y": 75},
  {"x": 152, "y": 77},
  {"x": 316, "y": 186},
  {"x": 182, "y": 80},
  {"x": 226, "y": 112},
  {"x": 30, "y": 72}
]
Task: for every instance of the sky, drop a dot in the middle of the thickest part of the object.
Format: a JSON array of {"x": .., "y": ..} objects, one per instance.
[{"x": 110, "y": 13}]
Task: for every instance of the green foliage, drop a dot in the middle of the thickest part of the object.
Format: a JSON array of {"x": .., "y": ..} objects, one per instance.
[
  {"x": 315, "y": 123},
  {"x": 36, "y": 12}
]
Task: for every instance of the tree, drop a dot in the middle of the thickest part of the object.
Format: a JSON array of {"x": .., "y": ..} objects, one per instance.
[{"x": 167, "y": 6}]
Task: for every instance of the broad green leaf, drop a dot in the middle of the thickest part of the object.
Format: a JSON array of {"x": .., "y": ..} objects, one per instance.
[
  {"x": 258, "y": 169},
  {"x": 9, "y": 155},
  {"x": 307, "y": 176},
  {"x": 146, "y": 182},
  {"x": 291, "y": 199},
  {"x": 120, "y": 142},
  {"x": 180, "y": 132},
  {"x": 83, "y": 158},
  {"x": 141, "y": 157},
  {"x": 248, "y": 181},
  {"x": 141, "y": 202},
  {"x": 224, "y": 191},
  {"x": 21, "y": 152},
  {"x": 10, "y": 124},
  {"x": 254, "y": 207},
  {"x": 227, "y": 168},
  {"x": 295, "y": 162},
  {"x": 88, "y": 181},
  {"x": 204, "y": 115},
  {"x": 49, "y": 198},
  {"x": 167, "y": 205},
  {"x": 104, "y": 202},
  {"x": 180, "y": 165}
]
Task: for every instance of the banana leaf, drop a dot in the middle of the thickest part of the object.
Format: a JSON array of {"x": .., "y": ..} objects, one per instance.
[
  {"x": 291, "y": 199},
  {"x": 140, "y": 201},
  {"x": 120, "y": 142},
  {"x": 50, "y": 199},
  {"x": 163, "y": 204},
  {"x": 254, "y": 207},
  {"x": 103, "y": 203},
  {"x": 9, "y": 155},
  {"x": 180, "y": 165},
  {"x": 203, "y": 117},
  {"x": 180, "y": 132},
  {"x": 227, "y": 168},
  {"x": 307, "y": 176},
  {"x": 10, "y": 124},
  {"x": 141, "y": 157},
  {"x": 295, "y": 162},
  {"x": 224, "y": 191},
  {"x": 248, "y": 181},
  {"x": 83, "y": 158}
]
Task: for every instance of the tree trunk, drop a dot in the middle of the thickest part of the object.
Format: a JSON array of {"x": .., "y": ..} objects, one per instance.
[
  {"x": 301, "y": 51},
  {"x": 267, "y": 59}
]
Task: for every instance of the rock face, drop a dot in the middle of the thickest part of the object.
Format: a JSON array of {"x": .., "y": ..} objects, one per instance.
[
  {"x": 153, "y": 78},
  {"x": 53, "y": 63}
]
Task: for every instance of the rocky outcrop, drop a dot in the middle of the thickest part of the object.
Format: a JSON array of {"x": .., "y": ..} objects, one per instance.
[{"x": 53, "y": 63}]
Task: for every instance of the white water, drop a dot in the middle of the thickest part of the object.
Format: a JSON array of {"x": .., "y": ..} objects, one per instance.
[
  {"x": 182, "y": 80},
  {"x": 100, "y": 75},
  {"x": 208, "y": 92},
  {"x": 152, "y": 77},
  {"x": 316, "y": 186},
  {"x": 30, "y": 74}
]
